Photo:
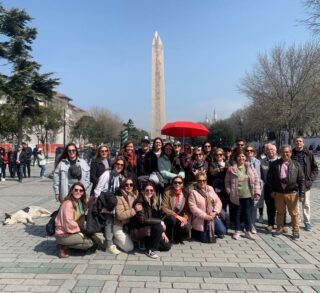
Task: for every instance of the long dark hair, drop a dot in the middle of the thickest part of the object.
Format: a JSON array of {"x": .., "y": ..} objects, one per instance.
[
  {"x": 83, "y": 198},
  {"x": 124, "y": 182},
  {"x": 163, "y": 153},
  {"x": 120, "y": 158},
  {"x": 153, "y": 145},
  {"x": 65, "y": 155}
]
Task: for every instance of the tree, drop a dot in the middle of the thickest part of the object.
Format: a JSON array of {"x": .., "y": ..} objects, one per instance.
[
  {"x": 221, "y": 134},
  {"x": 284, "y": 88},
  {"x": 134, "y": 133},
  {"x": 24, "y": 84},
  {"x": 46, "y": 122},
  {"x": 313, "y": 21},
  {"x": 84, "y": 129}
]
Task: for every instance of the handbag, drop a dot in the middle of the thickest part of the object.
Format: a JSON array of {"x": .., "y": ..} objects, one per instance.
[{"x": 141, "y": 233}]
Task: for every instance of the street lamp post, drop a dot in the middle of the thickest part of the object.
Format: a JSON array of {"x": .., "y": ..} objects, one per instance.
[{"x": 65, "y": 117}]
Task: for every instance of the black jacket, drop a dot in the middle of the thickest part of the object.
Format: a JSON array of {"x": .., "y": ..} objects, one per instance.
[
  {"x": 310, "y": 167},
  {"x": 148, "y": 216},
  {"x": 22, "y": 158},
  {"x": 96, "y": 170},
  {"x": 295, "y": 180},
  {"x": 150, "y": 162}
]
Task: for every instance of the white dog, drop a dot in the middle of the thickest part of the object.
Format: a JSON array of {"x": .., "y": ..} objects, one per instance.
[{"x": 26, "y": 215}]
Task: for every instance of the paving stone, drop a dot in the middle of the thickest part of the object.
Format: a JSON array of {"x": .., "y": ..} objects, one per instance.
[
  {"x": 78, "y": 289},
  {"x": 90, "y": 283},
  {"x": 269, "y": 288},
  {"x": 172, "y": 274},
  {"x": 144, "y": 290}
]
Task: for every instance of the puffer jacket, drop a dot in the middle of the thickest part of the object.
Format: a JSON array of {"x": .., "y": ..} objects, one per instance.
[
  {"x": 168, "y": 200},
  {"x": 197, "y": 205},
  {"x": 124, "y": 209},
  {"x": 61, "y": 184},
  {"x": 232, "y": 182}
]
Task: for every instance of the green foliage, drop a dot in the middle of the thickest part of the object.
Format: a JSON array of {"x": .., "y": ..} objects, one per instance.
[
  {"x": 134, "y": 133},
  {"x": 24, "y": 84},
  {"x": 85, "y": 129},
  {"x": 221, "y": 134}
]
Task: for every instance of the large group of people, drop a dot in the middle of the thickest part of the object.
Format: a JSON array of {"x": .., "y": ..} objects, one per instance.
[{"x": 153, "y": 198}]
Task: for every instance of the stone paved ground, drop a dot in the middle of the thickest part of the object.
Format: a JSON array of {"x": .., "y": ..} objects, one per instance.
[{"x": 28, "y": 261}]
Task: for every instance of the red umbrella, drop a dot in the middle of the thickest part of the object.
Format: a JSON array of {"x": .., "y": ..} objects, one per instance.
[{"x": 184, "y": 129}]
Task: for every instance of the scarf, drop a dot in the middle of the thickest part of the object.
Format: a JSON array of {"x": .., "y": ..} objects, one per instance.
[
  {"x": 198, "y": 165},
  {"x": 178, "y": 200},
  {"x": 130, "y": 158},
  {"x": 78, "y": 211}
]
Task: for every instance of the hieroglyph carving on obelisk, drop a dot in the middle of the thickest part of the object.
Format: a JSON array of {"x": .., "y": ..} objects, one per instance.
[{"x": 158, "y": 90}]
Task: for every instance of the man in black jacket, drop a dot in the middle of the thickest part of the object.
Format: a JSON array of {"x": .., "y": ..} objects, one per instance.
[
  {"x": 310, "y": 168},
  {"x": 28, "y": 152},
  {"x": 285, "y": 181}
]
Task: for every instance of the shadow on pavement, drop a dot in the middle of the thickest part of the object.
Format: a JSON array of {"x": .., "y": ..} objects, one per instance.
[
  {"x": 47, "y": 246},
  {"x": 36, "y": 230}
]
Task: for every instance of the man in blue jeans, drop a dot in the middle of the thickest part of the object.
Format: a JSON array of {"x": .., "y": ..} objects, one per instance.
[{"x": 20, "y": 159}]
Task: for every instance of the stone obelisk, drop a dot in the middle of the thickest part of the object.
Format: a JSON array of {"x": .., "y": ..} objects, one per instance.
[{"x": 158, "y": 89}]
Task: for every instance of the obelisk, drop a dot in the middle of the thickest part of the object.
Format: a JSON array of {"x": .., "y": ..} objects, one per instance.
[{"x": 158, "y": 90}]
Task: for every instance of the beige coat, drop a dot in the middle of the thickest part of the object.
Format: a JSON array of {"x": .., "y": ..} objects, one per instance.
[{"x": 124, "y": 210}]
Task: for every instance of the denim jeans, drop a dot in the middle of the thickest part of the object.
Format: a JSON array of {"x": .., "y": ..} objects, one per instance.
[
  {"x": 42, "y": 170},
  {"x": 20, "y": 168},
  {"x": 245, "y": 209},
  {"x": 203, "y": 236}
]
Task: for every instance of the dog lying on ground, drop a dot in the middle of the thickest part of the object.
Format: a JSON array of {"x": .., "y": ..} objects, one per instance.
[{"x": 26, "y": 215}]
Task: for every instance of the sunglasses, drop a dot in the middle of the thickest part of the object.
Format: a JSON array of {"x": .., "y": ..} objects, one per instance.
[
  {"x": 128, "y": 185},
  {"x": 187, "y": 148},
  {"x": 78, "y": 190},
  {"x": 207, "y": 146},
  {"x": 250, "y": 151},
  {"x": 219, "y": 155},
  {"x": 72, "y": 151},
  {"x": 177, "y": 145},
  {"x": 104, "y": 151},
  {"x": 202, "y": 181},
  {"x": 198, "y": 155},
  {"x": 119, "y": 164},
  {"x": 177, "y": 182},
  {"x": 149, "y": 190},
  {"x": 240, "y": 144}
]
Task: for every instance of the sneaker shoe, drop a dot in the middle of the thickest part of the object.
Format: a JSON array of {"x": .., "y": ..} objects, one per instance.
[
  {"x": 253, "y": 230},
  {"x": 113, "y": 250},
  {"x": 295, "y": 236},
  {"x": 236, "y": 235},
  {"x": 250, "y": 236},
  {"x": 285, "y": 229},
  {"x": 260, "y": 219},
  {"x": 308, "y": 227},
  {"x": 269, "y": 228},
  {"x": 3, "y": 179},
  {"x": 152, "y": 254}
]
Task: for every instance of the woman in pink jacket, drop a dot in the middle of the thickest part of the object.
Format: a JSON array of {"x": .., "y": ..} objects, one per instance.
[
  {"x": 67, "y": 232},
  {"x": 243, "y": 186},
  {"x": 205, "y": 207}
]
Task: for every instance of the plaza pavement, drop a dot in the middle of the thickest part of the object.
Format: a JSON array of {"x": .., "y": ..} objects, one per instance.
[{"x": 28, "y": 261}]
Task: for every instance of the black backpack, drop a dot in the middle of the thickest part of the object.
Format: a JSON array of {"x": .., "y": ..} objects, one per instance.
[{"x": 51, "y": 226}]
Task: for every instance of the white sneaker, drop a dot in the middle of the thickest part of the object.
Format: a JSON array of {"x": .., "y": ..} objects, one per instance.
[
  {"x": 152, "y": 254},
  {"x": 253, "y": 230},
  {"x": 114, "y": 250},
  {"x": 3, "y": 179}
]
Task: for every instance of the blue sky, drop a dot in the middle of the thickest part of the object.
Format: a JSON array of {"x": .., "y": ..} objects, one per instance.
[{"x": 101, "y": 50}]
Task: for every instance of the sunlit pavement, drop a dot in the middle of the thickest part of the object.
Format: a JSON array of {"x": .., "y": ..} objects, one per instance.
[{"x": 28, "y": 260}]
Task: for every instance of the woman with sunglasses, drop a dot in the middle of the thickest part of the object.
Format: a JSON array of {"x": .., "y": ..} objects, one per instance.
[
  {"x": 258, "y": 204},
  {"x": 148, "y": 214},
  {"x": 242, "y": 186},
  {"x": 175, "y": 208},
  {"x": 67, "y": 229},
  {"x": 205, "y": 207},
  {"x": 199, "y": 163},
  {"x": 124, "y": 212},
  {"x": 109, "y": 183},
  {"x": 216, "y": 175},
  {"x": 68, "y": 170},
  {"x": 99, "y": 164}
]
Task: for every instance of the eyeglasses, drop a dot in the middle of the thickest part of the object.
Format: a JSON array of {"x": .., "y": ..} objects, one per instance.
[
  {"x": 104, "y": 151},
  {"x": 78, "y": 190},
  {"x": 202, "y": 181},
  {"x": 128, "y": 185},
  {"x": 72, "y": 151},
  {"x": 148, "y": 190},
  {"x": 250, "y": 151},
  {"x": 219, "y": 155},
  {"x": 119, "y": 164},
  {"x": 177, "y": 182},
  {"x": 177, "y": 145}
]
